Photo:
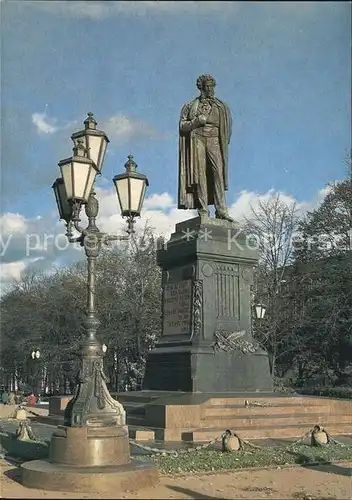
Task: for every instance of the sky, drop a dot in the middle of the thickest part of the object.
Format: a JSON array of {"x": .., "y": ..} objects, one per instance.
[{"x": 284, "y": 69}]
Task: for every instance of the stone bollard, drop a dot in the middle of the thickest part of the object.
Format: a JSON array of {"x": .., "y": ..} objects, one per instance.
[
  {"x": 21, "y": 414},
  {"x": 22, "y": 432}
]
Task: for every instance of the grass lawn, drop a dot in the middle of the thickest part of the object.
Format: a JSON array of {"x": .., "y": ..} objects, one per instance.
[
  {"x": 27, "y": 450},
  {"x": 208, "y": 461}
]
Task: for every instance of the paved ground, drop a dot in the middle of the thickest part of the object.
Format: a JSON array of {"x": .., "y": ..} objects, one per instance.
[{"x": 330, "y": 482}]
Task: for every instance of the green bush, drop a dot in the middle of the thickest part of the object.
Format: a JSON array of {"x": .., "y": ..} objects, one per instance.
[
  {"x": 27, "y": 450},
  {"x": 330, "y": 392},
  {"x": 281, "y": 385}
]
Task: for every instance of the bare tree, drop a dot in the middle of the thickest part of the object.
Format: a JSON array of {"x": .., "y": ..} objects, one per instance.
[{"x": 273, "y": 225}]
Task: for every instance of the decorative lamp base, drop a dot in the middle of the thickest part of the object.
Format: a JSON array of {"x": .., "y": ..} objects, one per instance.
[
  {"x": 91, "y": 452},
  {"x": 89, "y": 459},
  {"x": 41, "y": 474},
  {"x": 90, "y": 446},
  {"x": 92, "y": 404}
]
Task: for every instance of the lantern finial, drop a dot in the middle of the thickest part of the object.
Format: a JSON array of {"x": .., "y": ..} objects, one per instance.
[
  {"x": 79, "y": 149},
  {"x": 130, "y": 165},
  {"x": 90, "y": 122}
]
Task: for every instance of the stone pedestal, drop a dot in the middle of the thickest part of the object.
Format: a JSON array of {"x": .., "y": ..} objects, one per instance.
[{"x": 207, "y": 344}]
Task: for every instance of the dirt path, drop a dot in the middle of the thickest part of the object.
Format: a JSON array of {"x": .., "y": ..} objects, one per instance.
[{"x": 323, "y": 483}]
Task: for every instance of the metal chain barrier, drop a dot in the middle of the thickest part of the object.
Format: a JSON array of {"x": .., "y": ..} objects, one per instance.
[
  {"x": 32, "y": 412},
  {"x": 256, "y": 403},
  {"x": 160, "y": 451},
  {"x": 243, "y": 443},
  {"x": 335, "y": 441},
  {"x": 12, "y": 415}
]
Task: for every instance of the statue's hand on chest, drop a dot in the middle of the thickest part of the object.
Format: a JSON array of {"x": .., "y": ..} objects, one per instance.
[
  {"x": 203, "y": 111},
  {"x": 204, "y": 107}
]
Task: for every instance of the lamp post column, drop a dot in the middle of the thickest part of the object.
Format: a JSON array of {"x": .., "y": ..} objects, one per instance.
[
  {"x": 92, "y": 404},
  {"x": 92, "y": 244}
]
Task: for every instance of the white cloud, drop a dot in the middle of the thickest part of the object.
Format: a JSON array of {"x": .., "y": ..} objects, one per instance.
[
  {"x": 12, "y": 270},
  {"x": 172, "y": 7},
  {"x": 163, "y": 200},
  {"x": 67, "y": 8},
  {"x": 308, "y": 206},
  {"x": 40, "y": 120},
  {"x": 30, "y": 240},
  {"x": 41, "y": 239},
  {"x": 164, "y": 223},
  {"x": 241, "y": 208},
  {"x": 96, "y": 10},
  {"x": 119, "y": 127},
  {"x": 47, "y": 125},
  {"x": 12, "y": 223},
  {"x": 99, "y": 10},
  {"x": 160, "y": 213},
  {"x": 124, "y": 128}
]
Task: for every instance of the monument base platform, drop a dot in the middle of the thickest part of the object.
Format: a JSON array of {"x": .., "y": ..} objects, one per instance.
[
  {"x": 200, "y": 417},
  {"x": 44, "y": 475},
  {"x": 201, "y": 369}
]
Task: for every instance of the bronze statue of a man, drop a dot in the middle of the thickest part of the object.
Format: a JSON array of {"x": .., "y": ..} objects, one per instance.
[{"x": 205, "y": 132}]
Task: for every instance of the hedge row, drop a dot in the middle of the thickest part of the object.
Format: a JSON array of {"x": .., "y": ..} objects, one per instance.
[{"x": 331, "y": 392}]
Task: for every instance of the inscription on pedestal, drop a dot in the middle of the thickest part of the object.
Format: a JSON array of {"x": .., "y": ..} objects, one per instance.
[{"x": 177, "y": 310}]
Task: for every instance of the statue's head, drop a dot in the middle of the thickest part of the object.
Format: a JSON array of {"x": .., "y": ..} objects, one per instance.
[{"x": 206, "y": 85}]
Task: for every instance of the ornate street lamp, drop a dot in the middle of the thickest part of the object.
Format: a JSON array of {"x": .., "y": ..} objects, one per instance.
[
  {"x": 92, "y": 404},
  {"x": 63, "y": 205},
  {"x": 95, "y": 141},
  {"x": 260, "y": 310},
  {"x": 91, "y": 451},
  {"x": 78, "y": 174},
  {"x": 130, "y": 187},
  {"x": 35, "y": 355}
]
